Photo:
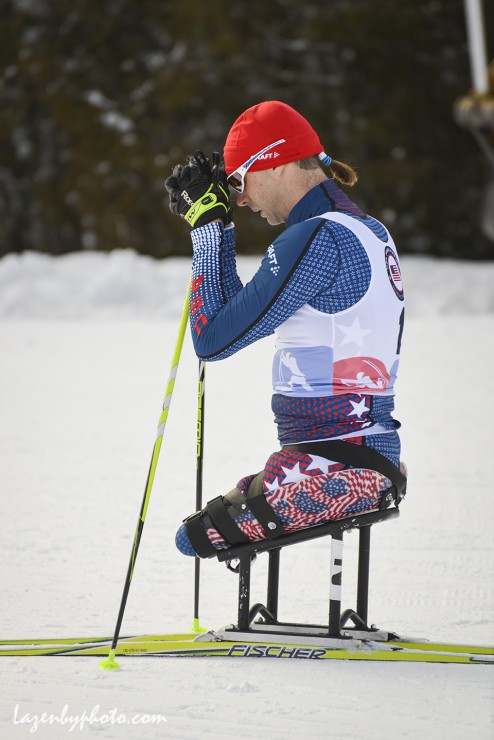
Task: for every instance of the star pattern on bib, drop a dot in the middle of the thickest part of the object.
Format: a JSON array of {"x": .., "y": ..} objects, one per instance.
[{"x": 353, "y": 333}]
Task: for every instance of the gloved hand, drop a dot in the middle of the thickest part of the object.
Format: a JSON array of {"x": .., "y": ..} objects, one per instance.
[{"x": 198, "y": 192}]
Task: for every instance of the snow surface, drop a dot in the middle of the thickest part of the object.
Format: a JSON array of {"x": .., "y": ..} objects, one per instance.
[{"x": 86, "y": 342}]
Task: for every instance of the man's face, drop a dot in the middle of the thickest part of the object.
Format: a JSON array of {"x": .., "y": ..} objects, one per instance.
[{"x": 263, "y": 195}]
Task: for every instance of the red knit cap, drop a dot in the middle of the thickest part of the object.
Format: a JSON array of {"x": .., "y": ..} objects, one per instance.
[{"x": 262, "y": 125}]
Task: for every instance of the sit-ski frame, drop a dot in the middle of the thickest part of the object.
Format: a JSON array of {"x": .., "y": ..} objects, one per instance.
[{"x": 246, "y": 554}]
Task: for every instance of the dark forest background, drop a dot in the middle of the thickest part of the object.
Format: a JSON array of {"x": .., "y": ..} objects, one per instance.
[{"x": 100, "y": 98}]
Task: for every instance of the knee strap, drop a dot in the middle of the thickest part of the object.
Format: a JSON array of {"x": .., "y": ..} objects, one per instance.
[
  {"x": 219, "y": 515},
  {"x": 214, "y": 514},
  {"x": 263, "y": 512},
  {"x": 222, "y": 521},
  {"x": 198, "y": 537}
]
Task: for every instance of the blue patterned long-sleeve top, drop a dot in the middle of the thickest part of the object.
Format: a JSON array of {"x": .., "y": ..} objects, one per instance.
[{"x": 329, "y": 287}]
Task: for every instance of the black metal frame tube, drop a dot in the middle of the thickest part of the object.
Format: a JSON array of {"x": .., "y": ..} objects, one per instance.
[
  {"x": 363, "y": 573},
  {"x": 335, "y": 584},
  {"x": 243, "y": 592},
  {"x": 273, "y": 583}
]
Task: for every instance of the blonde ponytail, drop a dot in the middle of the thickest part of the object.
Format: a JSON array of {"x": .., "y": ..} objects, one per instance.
[
  {"x": 343, "y": 173},
  {"x": 340, "y": 171}
]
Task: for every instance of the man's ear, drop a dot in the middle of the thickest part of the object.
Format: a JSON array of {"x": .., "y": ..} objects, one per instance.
[{"x": 279, "y": 171}]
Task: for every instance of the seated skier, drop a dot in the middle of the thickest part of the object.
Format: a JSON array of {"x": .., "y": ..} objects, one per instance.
[{"x": 329, "y": 287}]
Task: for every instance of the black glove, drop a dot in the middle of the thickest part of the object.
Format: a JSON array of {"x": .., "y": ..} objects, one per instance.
[{"x": 198, "y": 192}]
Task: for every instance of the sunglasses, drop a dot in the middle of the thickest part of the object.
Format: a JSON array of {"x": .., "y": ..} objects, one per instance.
[{"x": 237, "y": 179}]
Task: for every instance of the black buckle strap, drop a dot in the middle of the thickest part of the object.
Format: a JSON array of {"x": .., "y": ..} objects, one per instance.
[
  {"x": 222, "y": 521},
  {"x": 263, "y": 512},
  {"x": 198, "y": 537},
  {"x": 216, "y": 514},
  {"x": 358, "y": 456}
]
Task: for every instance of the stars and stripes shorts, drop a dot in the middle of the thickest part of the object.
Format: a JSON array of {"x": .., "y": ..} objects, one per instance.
[{"x": 304, "y": 490}]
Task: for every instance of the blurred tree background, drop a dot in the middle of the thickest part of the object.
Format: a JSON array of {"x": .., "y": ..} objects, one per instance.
[{"x": 100, "y": 98}]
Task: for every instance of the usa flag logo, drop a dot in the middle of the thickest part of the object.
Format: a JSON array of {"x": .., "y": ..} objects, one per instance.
[{"x": 394, "y": 273}]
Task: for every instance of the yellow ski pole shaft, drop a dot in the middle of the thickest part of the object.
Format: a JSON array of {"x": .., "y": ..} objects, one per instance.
[
  {"x": 201, "y": 399},
  {"x": 110, "y": 662}
]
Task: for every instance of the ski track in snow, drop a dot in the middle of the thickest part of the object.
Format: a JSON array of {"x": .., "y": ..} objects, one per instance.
[{"x": 86, "y": 341}]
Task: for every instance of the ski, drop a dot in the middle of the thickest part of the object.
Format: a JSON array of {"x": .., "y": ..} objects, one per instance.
[
  {"x": 378, "y": 636},
  {"x": 41, "y": 641},
  {"x": 229, "y": 643}
]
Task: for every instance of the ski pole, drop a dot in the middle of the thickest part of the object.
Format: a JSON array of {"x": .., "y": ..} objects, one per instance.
[
  {"x": 201, "y": 397},
  {"x": 110, "y": 663}
]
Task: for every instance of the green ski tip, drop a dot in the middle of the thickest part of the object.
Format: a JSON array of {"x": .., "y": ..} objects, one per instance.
[{"x": 110, "y": 664}]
